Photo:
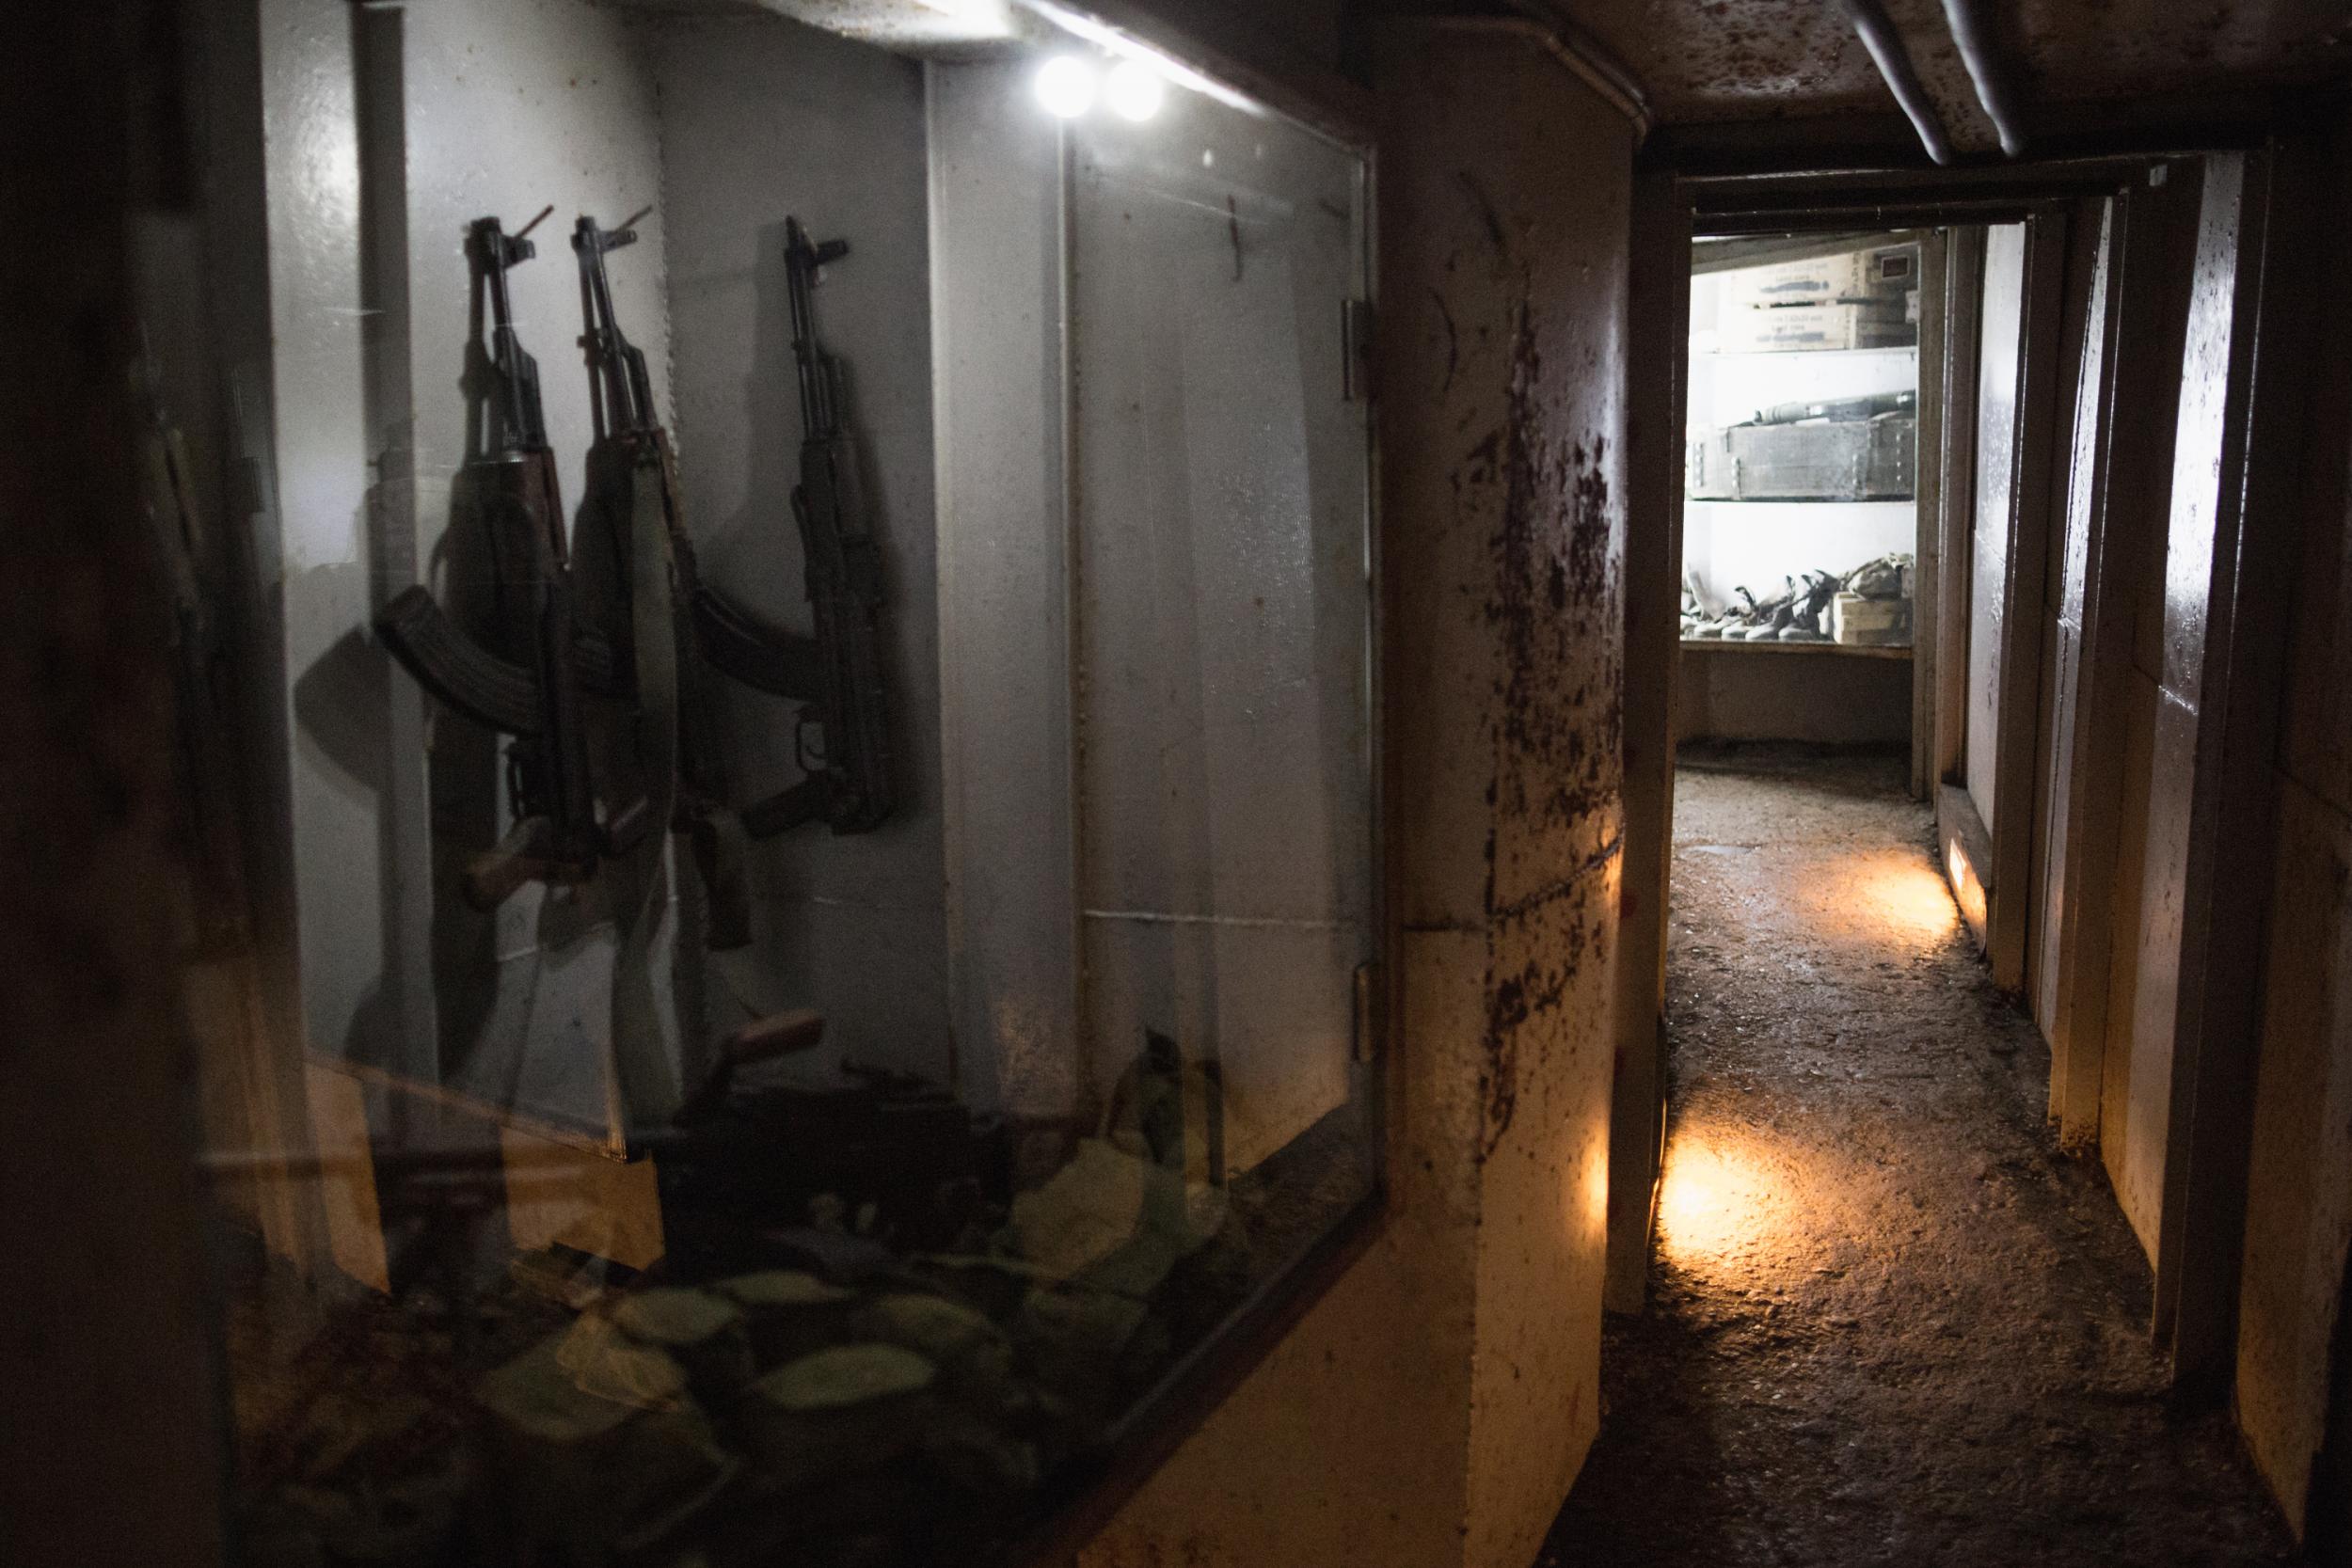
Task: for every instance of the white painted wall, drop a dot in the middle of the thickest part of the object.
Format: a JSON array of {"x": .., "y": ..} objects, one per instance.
[
  {"x": 1158, "y": 766},
  {"x": 512, "y": 107},
  {"x": 317, "y": 512},
  {"x": 997, "y": 312},
  {"x": 1758, "y": 544},
  {"x": 1222, "y": 602},
  {"x": 2001, "y": 329},
  {"x": 505, "y": 109},
  {"x": 1221, "y": 638}
]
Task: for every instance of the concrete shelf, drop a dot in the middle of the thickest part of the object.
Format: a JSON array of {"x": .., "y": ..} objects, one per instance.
[
  {"x": 1850, "y": 650},
  {"x": 1912, "y": 349},
  {"x": 1865, "y": 501}
]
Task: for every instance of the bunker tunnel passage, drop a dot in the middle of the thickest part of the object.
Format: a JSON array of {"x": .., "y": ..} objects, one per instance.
[{"x": 1889, "y": 1321}]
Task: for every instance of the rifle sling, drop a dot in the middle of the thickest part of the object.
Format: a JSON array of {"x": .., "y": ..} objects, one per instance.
[
  {"x": 718, "y": 839},
  {"x": 644, "y": 1082}
]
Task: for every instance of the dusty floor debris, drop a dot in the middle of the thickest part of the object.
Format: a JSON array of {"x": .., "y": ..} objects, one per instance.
[{"x": 1889, "y": 1322}]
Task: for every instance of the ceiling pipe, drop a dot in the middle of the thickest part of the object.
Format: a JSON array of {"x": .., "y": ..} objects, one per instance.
[
  {"x": 1576, "y": 47},
  {"x": 1886, "y": 49},
  {"x": 1971, "y": 22}
]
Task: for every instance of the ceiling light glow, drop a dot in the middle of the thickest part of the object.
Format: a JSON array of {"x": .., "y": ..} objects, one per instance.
[
  {"x": 1066, "y": 85},
  {"x": 1133, "y": 90}
]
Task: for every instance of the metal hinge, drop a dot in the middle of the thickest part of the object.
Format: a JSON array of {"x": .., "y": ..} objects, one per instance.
[
  {"x": 1371, "y": 1012},
  {"x": 1355, "y": 350}
]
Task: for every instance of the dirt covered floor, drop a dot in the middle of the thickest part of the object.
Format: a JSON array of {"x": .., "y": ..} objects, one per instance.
[{"x": 1889, "y": 1322}]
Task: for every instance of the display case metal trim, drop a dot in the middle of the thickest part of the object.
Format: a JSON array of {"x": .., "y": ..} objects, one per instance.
[{"x": 1093, "y": 1488}]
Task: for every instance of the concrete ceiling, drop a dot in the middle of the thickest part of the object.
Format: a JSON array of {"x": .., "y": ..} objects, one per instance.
[{"x": 1743, "y": 59}]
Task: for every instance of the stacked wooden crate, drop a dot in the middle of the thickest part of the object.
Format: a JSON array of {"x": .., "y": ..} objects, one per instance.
[{"x": 1861, "y": 299}]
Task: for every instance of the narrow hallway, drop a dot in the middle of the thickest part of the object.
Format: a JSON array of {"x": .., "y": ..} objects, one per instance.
[{"x": 1889, "y": 1322}]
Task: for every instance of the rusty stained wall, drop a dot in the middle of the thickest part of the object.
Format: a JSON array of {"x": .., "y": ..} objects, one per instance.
[
  {"x": 1536, "y": 266},
  {"x": 1736, "y": 59},
  {"x": 2083, "y": 49},
  {"x": 1753, "y": 59},
  {"x": 2298, "y": 1224},
  {"x": 1436, "y": 1404}
]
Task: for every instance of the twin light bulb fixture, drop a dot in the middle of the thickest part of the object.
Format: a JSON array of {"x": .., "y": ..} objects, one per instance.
[{"x": 1068, "y": 85}]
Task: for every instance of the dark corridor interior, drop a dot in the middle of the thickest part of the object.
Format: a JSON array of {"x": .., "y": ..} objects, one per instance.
[
  {"x": 1890, "y": 1322},
  {"x": 1042, "y": 880}
]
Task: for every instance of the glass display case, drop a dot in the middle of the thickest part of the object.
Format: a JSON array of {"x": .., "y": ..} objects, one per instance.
[
  {"x": 1799, "y": 525},
  {"x": 822, "y": 801}
]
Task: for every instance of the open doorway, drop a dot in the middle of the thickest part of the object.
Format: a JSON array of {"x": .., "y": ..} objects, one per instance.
[
  {"x": 1801, "y": 537},
  {"x": 1887, "y": 1318}
]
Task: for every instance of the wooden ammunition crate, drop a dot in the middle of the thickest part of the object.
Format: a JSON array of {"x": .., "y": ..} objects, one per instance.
[
  {"x": 1882, "y": 273},
  {"x": 1797, "y": 328},
  {"x": 1847, "y": 460},
  {"x": 1868, "y": 623}
]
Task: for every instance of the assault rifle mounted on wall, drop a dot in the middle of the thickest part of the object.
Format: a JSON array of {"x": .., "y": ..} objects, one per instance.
[
  {"x": 651, "y": 582},
  {"x": 848, "y": 785},
  {"x": 837, "y": 673},
  {"x": 526, "y": 684}
]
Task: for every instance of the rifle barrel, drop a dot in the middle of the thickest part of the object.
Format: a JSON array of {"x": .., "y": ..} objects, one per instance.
[
  {"x": 518, "y": 396},
  {"x": 622, "y": 384},
  {"x": 818, "y": 411}
]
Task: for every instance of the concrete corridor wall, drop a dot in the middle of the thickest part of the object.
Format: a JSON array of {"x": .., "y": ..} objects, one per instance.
[
  {"x": 1434, "y": 1406},
  {"x": 2201, "y": 316},
  {"x": 2298, "y": 1220}
]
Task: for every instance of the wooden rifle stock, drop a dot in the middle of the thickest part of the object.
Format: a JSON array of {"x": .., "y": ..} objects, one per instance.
[{"x": 762, "y": 1039}]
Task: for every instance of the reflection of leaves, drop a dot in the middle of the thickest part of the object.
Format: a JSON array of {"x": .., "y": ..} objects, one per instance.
[{"x": 341, "y": 706}]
